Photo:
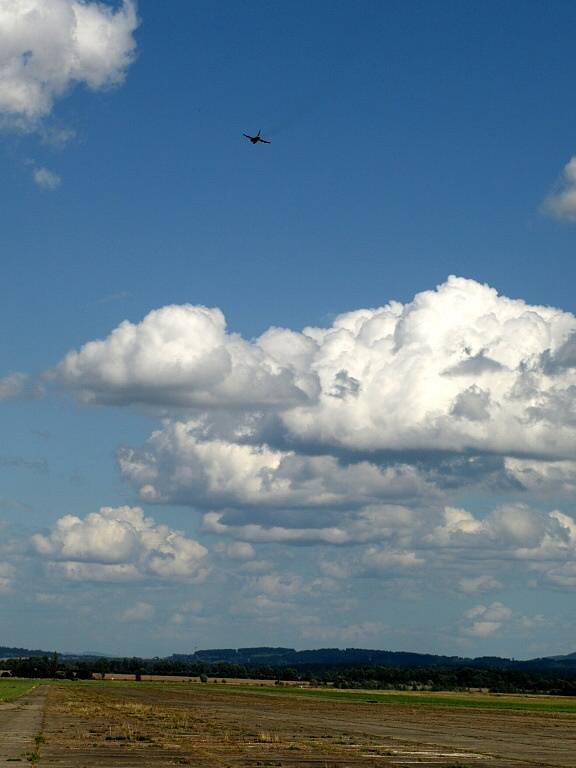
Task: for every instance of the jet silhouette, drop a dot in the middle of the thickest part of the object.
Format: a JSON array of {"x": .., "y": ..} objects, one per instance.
[{"x": 256, "y": 139}]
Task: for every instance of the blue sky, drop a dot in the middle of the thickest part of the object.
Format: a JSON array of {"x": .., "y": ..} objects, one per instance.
[{"x": 410, "y": 141}]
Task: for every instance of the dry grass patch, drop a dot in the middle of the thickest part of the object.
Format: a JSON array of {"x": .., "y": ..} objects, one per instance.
[
  {"x": 266, "y": 737},
  {"x": 161, "y": 726}
]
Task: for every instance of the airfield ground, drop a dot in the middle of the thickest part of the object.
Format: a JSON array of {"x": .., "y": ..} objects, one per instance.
[{"x": 109, "y": 724}]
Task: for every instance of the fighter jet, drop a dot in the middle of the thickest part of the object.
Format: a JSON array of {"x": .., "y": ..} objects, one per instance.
[{"x": 256, "y": 139}]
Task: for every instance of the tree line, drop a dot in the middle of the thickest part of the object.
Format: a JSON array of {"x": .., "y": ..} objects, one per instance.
[{"x": 372, "y": 677}]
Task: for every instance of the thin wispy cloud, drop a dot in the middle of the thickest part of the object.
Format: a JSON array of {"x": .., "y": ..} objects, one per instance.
[
  {"x": 46, "y": 180},
  {"x": 20, "y": 386},
  {"x": 39, "y": 466},
  {"x": 112, "y": 297},
  {"x": 13, "y": 386},
  {"x": 12, "y": 505}
]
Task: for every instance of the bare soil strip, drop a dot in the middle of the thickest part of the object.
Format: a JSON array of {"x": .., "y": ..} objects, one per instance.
[
  {"x": 20, "y": 724},
  {"x": 127, "y": 726}
]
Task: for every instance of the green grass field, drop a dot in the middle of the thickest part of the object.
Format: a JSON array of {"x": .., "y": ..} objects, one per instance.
[
  {"x": 526, "y": 703},
  {"x": 11, "y": 689}
]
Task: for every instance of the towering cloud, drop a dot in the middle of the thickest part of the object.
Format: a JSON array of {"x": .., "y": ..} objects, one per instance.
[{"x": 458, "y": 368}]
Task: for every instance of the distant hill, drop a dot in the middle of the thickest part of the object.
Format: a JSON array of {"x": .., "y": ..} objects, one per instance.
[
  {"x": 289, "y": 657},
  {"x": 7, "y": 652},
  {"x": 566, "y": 657},
  {"x": 278, "y": 657},
  {"x": 13, "y": 653}
]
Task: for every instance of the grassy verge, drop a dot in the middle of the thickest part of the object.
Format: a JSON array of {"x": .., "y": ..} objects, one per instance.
[
  {"x": 11, "y": 689},
  {"x": 544, "y": 704}
]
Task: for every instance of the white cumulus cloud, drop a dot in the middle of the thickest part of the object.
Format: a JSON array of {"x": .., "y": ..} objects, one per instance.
[
  {"x": 182, "y": 355},
  {"x": 120, "y": 544},
  {"x": 141, "y": 611},
  {"x": 512, "y": 530},
  {"x": 48, "y": 46},
  {"x": 458, "y": 368},
  {"x": 367, "y": 434},
  {"x": 475, "y": 584},
  {"x": 562, "y": 202},
  {"x": 485, "y": 620},
  {"x": 6, "y": 577},
  {"x": 378, "y": 522},
  {"x": 177, "y": 465}
]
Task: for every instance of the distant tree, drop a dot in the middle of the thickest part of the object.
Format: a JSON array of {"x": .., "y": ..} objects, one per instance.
[
  {"x": 53, "y": 668},
  {"x": 102, "y": 666},
  {"x": 83, "y": 671},
  {"x": 135, "y": 667}
]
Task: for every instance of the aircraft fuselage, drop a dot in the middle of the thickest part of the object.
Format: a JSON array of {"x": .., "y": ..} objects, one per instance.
[{"x": 256, "y": 139}]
